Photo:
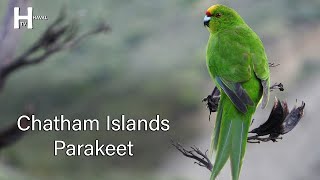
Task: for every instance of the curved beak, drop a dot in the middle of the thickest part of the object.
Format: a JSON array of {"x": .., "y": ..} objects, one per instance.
[{"x": 206, "y": 20}]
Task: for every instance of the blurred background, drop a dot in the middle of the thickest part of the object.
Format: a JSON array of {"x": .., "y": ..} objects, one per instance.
[{"x": 153, "y": 62}]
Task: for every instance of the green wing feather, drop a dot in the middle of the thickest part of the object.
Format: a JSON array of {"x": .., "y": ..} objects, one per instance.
[
  {"x": 236, "y": 93},
  {"x": 261, "y": 67}
]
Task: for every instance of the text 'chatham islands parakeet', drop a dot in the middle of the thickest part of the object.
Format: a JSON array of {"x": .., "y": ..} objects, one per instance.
[{"x": 238, "y": 65}]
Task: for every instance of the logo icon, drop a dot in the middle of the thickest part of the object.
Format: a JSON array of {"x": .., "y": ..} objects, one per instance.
[{"x": 28, "y": 18}]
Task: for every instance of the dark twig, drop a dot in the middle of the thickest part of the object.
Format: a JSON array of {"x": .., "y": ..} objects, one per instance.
[
  {"x": 277, "y": 86},
  {"x": 195, "y": 153},
  {"x": 12, "y": 134},
  {"x": 257, "y": 139},
  {"x": 273, "y": 65}
]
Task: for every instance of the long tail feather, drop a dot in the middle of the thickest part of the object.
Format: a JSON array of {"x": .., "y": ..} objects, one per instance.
[
  {"x": 232, "y": 137},
  {"x": 223, "y": 148},
  {"x": 216, "y": 131},
  {"x": 240, "y": 130}
]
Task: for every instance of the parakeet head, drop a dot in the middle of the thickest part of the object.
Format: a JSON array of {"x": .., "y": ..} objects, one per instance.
[{"x": 219, "y": 17}]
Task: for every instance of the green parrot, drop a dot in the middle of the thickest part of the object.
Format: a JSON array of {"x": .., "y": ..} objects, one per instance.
[{"x": 238, "y": 65}]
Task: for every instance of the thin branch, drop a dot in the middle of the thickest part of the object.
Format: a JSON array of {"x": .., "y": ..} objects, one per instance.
[
  {"x": 195, "y": 154},
  {"x": 258, "y": 139},
  {"x": 12, "y": 134},
  {"x": 273, "y": 65},
  {"x": 277, "y": 86}
]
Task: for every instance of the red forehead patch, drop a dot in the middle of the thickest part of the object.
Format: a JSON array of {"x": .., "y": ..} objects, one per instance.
[{"x": 208, "y": 14}]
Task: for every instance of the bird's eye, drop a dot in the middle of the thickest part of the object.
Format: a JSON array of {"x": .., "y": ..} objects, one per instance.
[{"x": 218, "y": 15}]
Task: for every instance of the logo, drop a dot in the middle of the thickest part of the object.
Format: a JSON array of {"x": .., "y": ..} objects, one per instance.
[{"x": 28, "y": 19}]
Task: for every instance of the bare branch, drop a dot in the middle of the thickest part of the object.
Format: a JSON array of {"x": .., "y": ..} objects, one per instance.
[
  {"x": 57, "y": 37},
  {"x": 195, "y": 153},
  {"x": 12, "y": 134},
  {"x": 273, "y": 65},
  {"x": 258, "y": 139},
  {"x": 277, "y": 86}
]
